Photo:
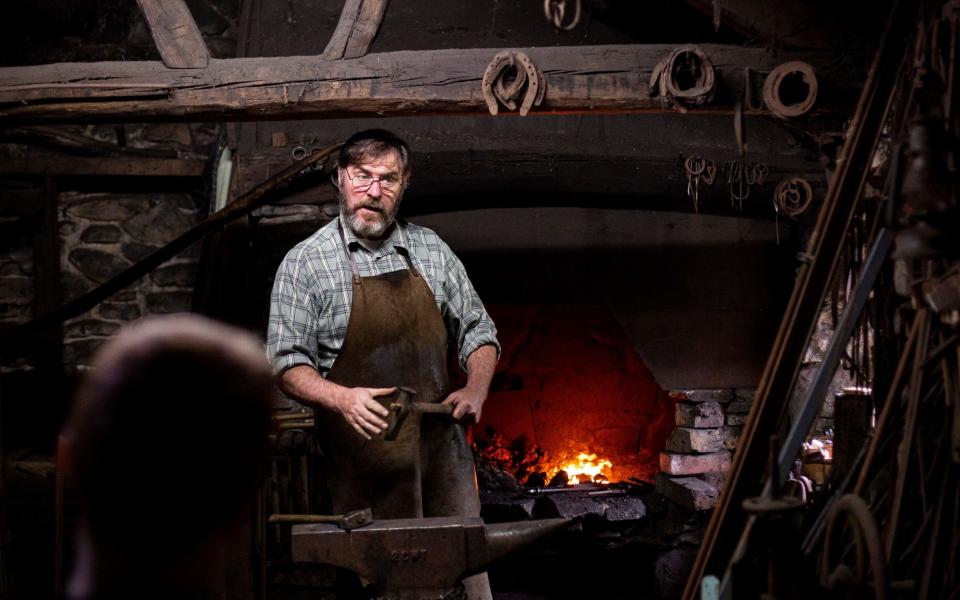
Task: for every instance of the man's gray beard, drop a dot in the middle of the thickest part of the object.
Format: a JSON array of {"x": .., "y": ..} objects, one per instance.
[{"x": 363, "y": 229}]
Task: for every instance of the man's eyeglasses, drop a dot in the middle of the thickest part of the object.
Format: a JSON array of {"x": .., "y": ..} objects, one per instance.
[{"x": 363, "y": 181}]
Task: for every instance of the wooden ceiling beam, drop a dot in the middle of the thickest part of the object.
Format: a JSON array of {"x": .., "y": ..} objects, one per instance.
[
  {"x": 580, "y": 79},
  {"x": 175, "y": 34},
  {"x": 85, "y": 166}
]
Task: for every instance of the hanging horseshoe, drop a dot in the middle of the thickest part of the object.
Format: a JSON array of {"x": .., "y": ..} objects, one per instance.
[
  {"x": 536, "y": 86},
  {"x": 492, "y": 73},
  {"x": 507, "y": 94},
  {"x": 529, "y": 80}
]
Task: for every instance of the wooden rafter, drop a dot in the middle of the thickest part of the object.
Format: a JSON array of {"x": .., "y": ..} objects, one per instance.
[
  {"x": 99, "y": 166},
  {"x": 175, "y": 34},
  {"x": 359, "y": 23},
  {"x": 579, "y": 79}
]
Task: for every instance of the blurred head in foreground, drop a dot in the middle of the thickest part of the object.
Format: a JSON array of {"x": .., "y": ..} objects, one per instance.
[{"x": 165, "y": 447}]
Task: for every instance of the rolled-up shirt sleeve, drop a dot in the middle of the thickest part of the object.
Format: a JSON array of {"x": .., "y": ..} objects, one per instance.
[
  {"x": 464, "y": 312},
  {"x": 294, "y": 308}
]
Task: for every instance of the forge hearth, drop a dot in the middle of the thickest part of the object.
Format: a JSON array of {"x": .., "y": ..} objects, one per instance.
[{"x": 570, "y": 382}]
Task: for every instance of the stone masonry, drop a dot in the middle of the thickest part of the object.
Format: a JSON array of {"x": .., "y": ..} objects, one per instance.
[
  {"x": 103, "y": 233},
  {"x": 698, "y": 453}
]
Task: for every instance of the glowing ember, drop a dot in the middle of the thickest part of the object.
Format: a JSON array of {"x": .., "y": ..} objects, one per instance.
[{"x": 586, "y": 468}]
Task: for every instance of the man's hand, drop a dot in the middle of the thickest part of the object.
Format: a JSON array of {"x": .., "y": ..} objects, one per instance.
[
  {"x": 467, "y": 404},
  {"x": 361, "y": 410}
]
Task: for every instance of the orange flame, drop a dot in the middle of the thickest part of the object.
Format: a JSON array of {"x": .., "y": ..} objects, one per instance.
[{"x": 585, "y": 468}]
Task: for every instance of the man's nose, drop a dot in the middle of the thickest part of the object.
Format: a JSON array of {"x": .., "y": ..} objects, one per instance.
[{"x": 379, "y": 189}]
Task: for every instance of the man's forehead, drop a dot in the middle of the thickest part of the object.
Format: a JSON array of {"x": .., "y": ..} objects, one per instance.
[{"x": 386, "y": 162}]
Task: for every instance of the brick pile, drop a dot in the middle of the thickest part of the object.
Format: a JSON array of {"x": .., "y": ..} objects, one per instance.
[{"x": 698, "y": 453}]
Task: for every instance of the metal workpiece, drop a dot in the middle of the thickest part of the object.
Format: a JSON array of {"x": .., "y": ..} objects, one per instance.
[
  {"x": 347, "y": 521},
  {"x": 415, "y": 558}
]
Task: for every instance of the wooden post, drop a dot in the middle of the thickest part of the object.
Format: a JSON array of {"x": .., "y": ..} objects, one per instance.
[
  {"x": 46, "y": 253},
  {"x": 851, "y": 423}
]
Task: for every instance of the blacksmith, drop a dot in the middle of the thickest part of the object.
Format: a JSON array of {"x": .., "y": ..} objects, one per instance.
[{"x": 368, "y": 303}]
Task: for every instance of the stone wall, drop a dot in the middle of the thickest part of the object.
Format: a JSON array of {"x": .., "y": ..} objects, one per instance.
[{"x": 103, "y": 234}]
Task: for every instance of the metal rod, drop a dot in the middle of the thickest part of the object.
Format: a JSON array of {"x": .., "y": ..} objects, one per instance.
[
  {"x": 906, "y": 443},
  {"x": 821, "y": 381},
  {"x": 888, "y": 404}
]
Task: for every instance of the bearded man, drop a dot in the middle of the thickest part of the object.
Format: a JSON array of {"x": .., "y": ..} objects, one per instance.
[{"x": 369, "y": 303}]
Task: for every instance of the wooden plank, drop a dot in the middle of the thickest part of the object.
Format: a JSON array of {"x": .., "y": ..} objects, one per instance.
[
  {"x": 175, "y": 34},
  {"x": 76, "y": 143},
  {"x": 46, "y": 257},
  {"x": 359, "y": 23},
  {"x": 580, "y": 79},
  {"x": 99, "y": 166}
]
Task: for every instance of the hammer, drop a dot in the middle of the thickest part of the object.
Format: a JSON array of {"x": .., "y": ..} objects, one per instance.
[
  {"x": 404, "y": 405},
  {"x": 347, "y": 521}
]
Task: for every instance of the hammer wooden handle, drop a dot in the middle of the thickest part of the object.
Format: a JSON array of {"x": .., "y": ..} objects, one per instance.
[
  {"x": 432, "y": 408},
  {"x": 275, "y": 518}
]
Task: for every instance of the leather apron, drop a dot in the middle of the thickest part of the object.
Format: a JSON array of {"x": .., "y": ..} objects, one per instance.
[{"x": 397, "y": 337}]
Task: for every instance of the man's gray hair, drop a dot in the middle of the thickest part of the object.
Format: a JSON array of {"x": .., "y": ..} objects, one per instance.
[{"x": 371, "y": 144}]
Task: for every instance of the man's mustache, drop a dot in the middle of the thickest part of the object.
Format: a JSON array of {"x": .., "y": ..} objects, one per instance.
[{"x": 377, "y": 206}]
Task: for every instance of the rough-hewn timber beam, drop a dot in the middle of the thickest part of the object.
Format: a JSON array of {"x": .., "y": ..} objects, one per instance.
[
  {"x": 100, "y": 166},
  {"x": 175, "y": 34},
  {"x": 579, "y": 79}
]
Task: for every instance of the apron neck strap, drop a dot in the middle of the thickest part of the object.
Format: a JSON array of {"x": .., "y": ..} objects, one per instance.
[
  {"x": 353, "y": 263},
  {"x": 346, "y": 248},
  {"x": 406, "y": 256}
]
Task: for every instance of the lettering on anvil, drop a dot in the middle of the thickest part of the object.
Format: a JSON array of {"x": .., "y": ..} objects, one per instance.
[{"x": 404, "y": 556}]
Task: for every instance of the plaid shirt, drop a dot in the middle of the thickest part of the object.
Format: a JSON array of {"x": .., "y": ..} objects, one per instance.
[{"x": 313, "y": 291}]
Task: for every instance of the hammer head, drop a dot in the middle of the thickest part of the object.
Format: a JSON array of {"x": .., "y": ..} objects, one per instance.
[
  {"x": 399, "y": 409},
  {"x": 355, "y": 519}
]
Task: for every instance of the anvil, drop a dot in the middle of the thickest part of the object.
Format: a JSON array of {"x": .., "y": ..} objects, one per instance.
[{"x": 416, "y": 558}]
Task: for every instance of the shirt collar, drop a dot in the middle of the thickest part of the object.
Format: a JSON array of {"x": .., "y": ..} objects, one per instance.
[{"x": 397, "y": 238}]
